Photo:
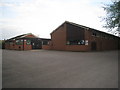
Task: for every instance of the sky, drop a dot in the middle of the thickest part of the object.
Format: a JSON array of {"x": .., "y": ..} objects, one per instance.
[{"x": 41, "y": 17}]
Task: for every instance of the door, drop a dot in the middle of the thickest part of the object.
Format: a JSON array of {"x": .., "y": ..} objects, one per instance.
[
  {"x": 93, "y": 46},
  {"x": 36, "y": 44}
]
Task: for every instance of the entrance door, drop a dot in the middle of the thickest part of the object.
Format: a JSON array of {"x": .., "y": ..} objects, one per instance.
[
  {"x": 36, "y": 44},
  {"x": 93, "y": 46}
]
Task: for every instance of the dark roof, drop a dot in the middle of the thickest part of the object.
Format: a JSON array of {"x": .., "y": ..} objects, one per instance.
[
  {"x": 78, "y": 25},
  {"x": 81, "y": 26},
  {"x": 23, "y": 36},
  {"x": 45, "y": 39}
]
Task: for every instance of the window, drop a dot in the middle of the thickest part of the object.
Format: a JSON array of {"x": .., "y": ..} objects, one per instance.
[
  {"x": 28, "y": 42},
  {"x": 82, "y": 42},
  {"x": 76, "y": 42},
  {"x": 98, "y": 34},
  {"x": 45, "y": 42},
  {"x": 103, "y": 36},
  {"x": 19, "y": 42},
  {"x": 48, "y": 43},
  {"x": 106, "y": 36},
  {"x": 73, "y": 42},
  {"x": 93, "y": 33},
  {"x": 11, "y": 43},
  {"x": 111, "y": 37}
]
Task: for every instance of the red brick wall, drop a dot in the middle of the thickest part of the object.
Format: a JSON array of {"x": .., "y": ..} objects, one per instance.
[
  {"x": 77, "y": 48},
  {"x": 80, "y": 47},
  {"x": 46, "y": 47},
  {"x": 10, "y": 45},
  {"x": 59, "y": 42},
  {"x": 18, "y": 47},
  {"x": 88, "y": 37},
  {"x": 27, "y": 47},
  {"x": 101, "y": 43},
  {"x": 58, "y": 38},
  {"x": 6, "y": 46}
]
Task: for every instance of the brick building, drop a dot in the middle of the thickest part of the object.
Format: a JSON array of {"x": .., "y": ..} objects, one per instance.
[
  {"x": 73, "y": 37},
  {"x": 25, "y": 42}
]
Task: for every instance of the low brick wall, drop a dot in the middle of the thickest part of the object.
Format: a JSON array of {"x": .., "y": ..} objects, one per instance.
[
  {"x": 46, "y": 47},
  {"x": 69, "y": 47},
  {"x": 77, "y": 48},
  {"x": 28, "y": 47},
  {"x": 18, "y": 47}
]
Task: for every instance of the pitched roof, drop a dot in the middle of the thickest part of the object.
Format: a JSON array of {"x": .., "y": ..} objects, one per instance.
[
  {"x": 22, "y": 36},
  {"x": 89, "y": 28},
  {"x": 78, "y": 25},
  {"x": 71, "y": 24},
  {"x": 81, "y": 26}
]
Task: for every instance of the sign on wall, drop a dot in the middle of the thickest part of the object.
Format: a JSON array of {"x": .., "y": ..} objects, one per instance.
[{"x": 86, "y": 42}]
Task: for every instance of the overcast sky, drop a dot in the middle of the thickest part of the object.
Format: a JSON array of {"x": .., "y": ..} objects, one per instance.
[{"x": 41, "y": 17}]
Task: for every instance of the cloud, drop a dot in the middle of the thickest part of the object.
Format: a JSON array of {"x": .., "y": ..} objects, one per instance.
[
  {"x": 8, "y": 31},
  {"x": 43, "y": 16}
]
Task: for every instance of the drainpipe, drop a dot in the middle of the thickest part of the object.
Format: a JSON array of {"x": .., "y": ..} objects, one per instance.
[{"x": 23, "y": 44}]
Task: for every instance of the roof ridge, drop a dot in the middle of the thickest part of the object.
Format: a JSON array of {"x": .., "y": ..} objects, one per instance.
[
  {"x": 22, "y": 35},
  {"x": 79, "y": 25},
  {"x": 82, "y": 26}
]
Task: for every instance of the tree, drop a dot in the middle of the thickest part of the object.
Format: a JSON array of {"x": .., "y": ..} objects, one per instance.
[{"x": 113, "y": 15}]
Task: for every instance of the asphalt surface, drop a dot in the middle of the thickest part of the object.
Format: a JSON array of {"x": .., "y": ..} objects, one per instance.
[
  {"x": 0, "y": 68},
  {"x": 59, "y": 69}
]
